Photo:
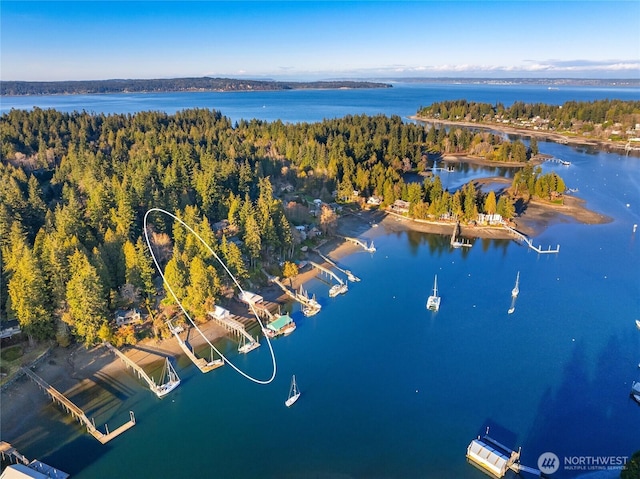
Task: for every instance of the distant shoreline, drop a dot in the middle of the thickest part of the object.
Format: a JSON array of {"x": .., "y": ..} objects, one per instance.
[
  {"x": 544, "y": 135},
  {"x": 172, "y": 85}
]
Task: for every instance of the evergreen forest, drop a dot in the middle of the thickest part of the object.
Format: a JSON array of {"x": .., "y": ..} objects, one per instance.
[{"x": 77, "y": 185}]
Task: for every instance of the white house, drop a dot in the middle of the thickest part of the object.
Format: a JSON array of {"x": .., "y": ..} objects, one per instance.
[
  {"x": 131, "y": 316},
  {"x": 248, "y": 297},
  {"x": 219, "y": 313}
]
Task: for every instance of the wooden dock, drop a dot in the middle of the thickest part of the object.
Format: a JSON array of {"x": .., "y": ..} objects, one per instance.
[
  {"x": 78, "y": 413},
  {"x": 529, "y": 242},
  {"x": 155, "y": 387},
  {"x": 234, "y": 325},
  {"x": 370, "y": 248},
  {"x": 203, "y": 365},
  {"x": 297, "y": 296},
  {"x": 327, "y": 271},
  {"x": 454, "y": 242},
  {"x": 350, "y": 276}
]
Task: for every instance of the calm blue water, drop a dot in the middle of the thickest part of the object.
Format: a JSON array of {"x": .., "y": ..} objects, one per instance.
[
  {"x": 390, "y": 390},
  {"x": 316, "y": 105}
]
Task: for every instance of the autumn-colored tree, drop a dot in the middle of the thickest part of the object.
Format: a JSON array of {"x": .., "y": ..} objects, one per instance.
[
  {"x": 328, "y": 220},
  {"x": 289, "y": 269},
  {"x": 490, "y": 203}
]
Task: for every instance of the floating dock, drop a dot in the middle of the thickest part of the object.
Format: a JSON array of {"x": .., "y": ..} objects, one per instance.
[
  {"x": 494, "y": 458},
  {"x": 78, "y": 413}
]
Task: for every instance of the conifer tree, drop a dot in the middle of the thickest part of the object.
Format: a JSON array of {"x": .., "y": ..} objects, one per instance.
[
  {"x": 30, "y": 297},
  {"x": 87, "y": 306}
]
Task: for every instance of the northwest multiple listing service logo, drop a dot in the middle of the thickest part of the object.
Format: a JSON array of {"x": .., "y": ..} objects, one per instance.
[{"x": 548, "y": 463}]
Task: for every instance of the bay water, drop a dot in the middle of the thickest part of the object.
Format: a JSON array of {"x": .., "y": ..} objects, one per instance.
[{"x": 389, "y": 389}]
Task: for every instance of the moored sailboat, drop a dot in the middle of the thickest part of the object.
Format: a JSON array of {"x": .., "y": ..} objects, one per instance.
[
  {"x": 433, "y": 303},
  {"x": 516, "y": 289},
  {"x": 173, "y": 381},
  {"x": 294, "y": 392}
]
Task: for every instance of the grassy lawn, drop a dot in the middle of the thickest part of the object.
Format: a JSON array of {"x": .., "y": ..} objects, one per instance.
[{"x": 14, "y": 357}]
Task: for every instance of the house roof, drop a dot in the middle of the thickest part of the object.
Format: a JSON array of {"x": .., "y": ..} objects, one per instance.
[{"x": 280, "y": 323}]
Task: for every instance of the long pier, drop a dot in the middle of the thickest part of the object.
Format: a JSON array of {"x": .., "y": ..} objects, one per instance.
[
  {"x": 327, "y": 271},
  {"x": 350, "y": 276},
  {"x": 454, "y": 242},
  {"x": 558, "y": 160},
  {"x": 296, "y": 296},
  {"x": 529, "y": 242},
  {"x": 370, "y": 248},
  {"x": 201, "y": 364},
  {"x": 237, "y": 327},
  {"x": 155, "y": 388},
  {"x": 78, "y": 413}
]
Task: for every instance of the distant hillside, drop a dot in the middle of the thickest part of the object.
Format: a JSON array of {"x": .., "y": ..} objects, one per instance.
[{"x": 11, "y": 88}]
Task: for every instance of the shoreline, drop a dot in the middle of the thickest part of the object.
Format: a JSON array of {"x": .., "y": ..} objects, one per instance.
[
  {"x": 555, "y": 137},
  {"x": 89, "y": 374}
]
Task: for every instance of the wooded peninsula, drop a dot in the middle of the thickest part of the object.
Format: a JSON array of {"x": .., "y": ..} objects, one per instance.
[
  {"x": 77, "y": 186},
  {"x": 602, "y": 121},
  {"x": 86, "y": 87}
]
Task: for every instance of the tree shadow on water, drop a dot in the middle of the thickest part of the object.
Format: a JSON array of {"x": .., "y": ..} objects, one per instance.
[{"x": 589, "y": 415}]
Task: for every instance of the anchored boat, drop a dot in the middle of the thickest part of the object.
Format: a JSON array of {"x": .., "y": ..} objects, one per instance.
[
  {"x": 173, "y": 381},
  {"x": 294, "y": 392},
  {"x": 433, "y": 303},
  {"x": 516, "y": 289}
]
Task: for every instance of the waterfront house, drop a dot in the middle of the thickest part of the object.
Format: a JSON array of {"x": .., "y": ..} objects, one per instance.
[
  {"x": 9, "y": 328},
  {"x": 400, "y": 206},
  {"x": 220, "y": 313},
  {"x": 124, "y": 317},
  {"x": 249, "y": 298}
]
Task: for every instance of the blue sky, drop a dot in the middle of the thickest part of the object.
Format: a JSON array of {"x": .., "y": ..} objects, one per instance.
[{"x": 83, "y": 40}]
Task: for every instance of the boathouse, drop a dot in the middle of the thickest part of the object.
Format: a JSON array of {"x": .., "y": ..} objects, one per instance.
[
  {"x": 280, "y": 324},
  {"x": 491, "y": 457}
]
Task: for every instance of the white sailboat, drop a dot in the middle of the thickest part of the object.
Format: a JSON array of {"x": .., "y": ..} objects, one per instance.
[
  {"x": 516, "y": 289},
  {"x": 172, "y": 382},
  {"x": 638, "y": 323},
  {"x": 294, "y": 392},
  {"x": 433, "y": 303}
]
